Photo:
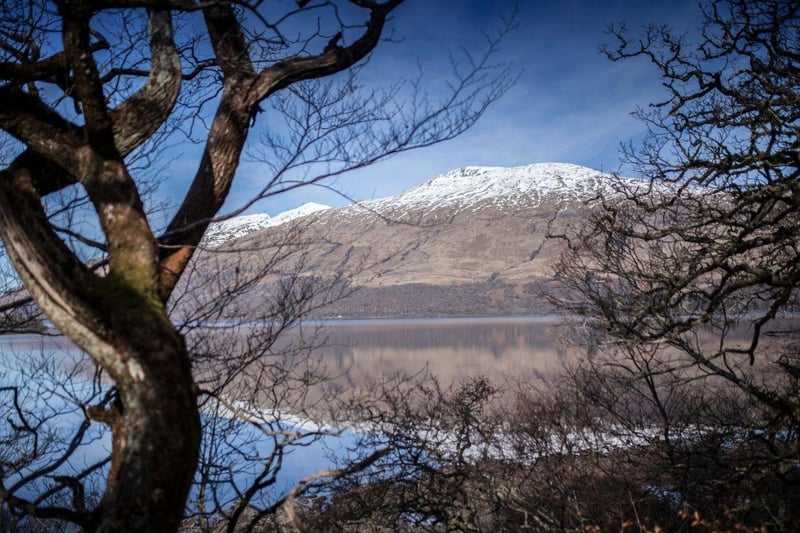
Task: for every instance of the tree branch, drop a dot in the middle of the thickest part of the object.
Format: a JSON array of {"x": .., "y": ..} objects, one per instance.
[
  {"x": 334, "y": 59},
  {"x": 134, "y": 121}
]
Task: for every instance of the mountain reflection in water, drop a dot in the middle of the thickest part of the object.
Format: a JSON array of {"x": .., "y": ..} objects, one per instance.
[
  {"x": 358, "y": 352},
  {"x": 450, "y": 349}
]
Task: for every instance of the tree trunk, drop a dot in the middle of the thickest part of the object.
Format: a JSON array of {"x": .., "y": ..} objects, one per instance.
[
  {"x": 125, "y": 329},
  {"x": 156, "y": 431},
  {"x": 156, "y": 445}
]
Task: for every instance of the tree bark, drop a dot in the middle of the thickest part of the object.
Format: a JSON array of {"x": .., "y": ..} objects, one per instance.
[{"x": 156, "y": 437}]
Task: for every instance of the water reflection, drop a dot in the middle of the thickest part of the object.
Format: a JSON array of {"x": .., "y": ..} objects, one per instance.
[
  {"x": 449, "y": 349},
  {"x": 57, "y": 380}
]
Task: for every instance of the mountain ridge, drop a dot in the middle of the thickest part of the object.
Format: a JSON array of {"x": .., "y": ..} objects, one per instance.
[
  {"x": 465, "y": 187},
  {"x": 225, "y": 231},
  {"x": 469, "y": 242},
  {"x": 473, "y": 185}
]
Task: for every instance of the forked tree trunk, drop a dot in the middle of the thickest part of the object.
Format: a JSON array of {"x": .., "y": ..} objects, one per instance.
[
  {"x": 119, "y": 321},
  {"x": 118, "y": 317}
]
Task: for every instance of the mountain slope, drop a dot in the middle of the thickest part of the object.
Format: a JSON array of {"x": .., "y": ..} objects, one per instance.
[
  {"x": 472, "y": 241},
  {"x": 218, "y": 233}
]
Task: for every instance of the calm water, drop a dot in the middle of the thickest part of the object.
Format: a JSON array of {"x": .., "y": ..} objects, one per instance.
[
  {"x": 453, "y": 346},
  {"x": 359, "y": 351},
  {"x": 450, "y": 349}
]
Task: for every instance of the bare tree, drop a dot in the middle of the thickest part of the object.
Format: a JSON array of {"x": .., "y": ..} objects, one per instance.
[
  {"x": 90, "y": 91},
  {"x": 684, "y": 277}
]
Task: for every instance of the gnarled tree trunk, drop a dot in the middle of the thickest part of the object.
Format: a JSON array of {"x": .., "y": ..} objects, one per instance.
[
  {"x": 117, "y": 312},
  {"x": 156, "y": 437}
]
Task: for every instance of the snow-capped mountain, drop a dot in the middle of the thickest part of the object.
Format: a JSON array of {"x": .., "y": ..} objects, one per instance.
[
  {"x": 463, "y": 188},
  {"x": 480, "y": 186},
  {"x": 219, "y": 233},
  {"x": 470, "y": 241}
]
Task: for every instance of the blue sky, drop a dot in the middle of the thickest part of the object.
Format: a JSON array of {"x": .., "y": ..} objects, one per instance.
[{"x": 571, "y": 104}]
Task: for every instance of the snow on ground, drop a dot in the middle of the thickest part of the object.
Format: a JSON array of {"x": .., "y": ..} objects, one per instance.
[
  {"x": 292, "y": 214},
  {"x": 471, "y": 185},
  {"x": 219, "y": 233}
]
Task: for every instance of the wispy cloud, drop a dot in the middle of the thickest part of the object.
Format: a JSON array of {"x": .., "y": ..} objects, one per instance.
[{"x": 571, "y": 103}]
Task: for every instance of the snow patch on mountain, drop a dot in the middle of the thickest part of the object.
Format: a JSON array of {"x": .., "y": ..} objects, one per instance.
[
  {"x": 219, "y": 233},
  {"x": 471, "y": 186},
  {"x": 304, "y": 210},
  {"x": 459, "y": 189}
]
